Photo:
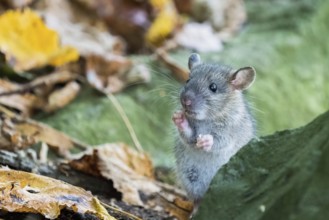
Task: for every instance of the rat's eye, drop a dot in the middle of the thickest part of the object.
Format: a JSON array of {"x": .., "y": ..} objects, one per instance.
[
  {"x": 187, "y": 80},
  {"x": 213, "y": 87}
]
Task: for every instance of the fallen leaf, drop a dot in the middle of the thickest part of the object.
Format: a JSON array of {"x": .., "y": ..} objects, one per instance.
[
  {"x": 24, "y": 103},
  {"x": 113, "y": 74},
  {"x": 130, "y": 171},
  {"x": 10, "y": 138},
  {"x": 61, "y": 97},
  {"x": 27, "y": 192},
  {"x": 178, "y": 207},
  {"x": 27, "y": 129},
  {"x": 39, "y": 93},
  {"x": 164, "y": 23},
  {"x": 181, "y": 74},
  {"x": 199, "y": 37},
  {"x": 28, "y": 43}
]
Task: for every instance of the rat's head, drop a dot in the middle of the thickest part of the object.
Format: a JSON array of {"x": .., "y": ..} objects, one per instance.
[{"x": 211, "y": 87}]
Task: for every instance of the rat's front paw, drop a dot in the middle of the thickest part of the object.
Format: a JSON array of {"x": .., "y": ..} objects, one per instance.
[
  {"x": 180, "y": 120},
  {"x": 205, "y": 142}
]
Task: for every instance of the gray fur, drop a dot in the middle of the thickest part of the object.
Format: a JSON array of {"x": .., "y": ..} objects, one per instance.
[{"x": 224, "y": 114}]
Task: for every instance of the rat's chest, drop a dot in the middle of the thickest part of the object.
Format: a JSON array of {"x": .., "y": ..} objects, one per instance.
[{"x": 208, "y": 127}]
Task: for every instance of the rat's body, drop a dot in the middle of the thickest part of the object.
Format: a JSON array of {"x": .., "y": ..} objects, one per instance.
[{"x": 213, "y": 123}]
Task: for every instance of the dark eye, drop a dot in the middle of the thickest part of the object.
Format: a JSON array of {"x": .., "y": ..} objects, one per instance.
[
  {"x": 187, "y": 80},
  {"x": 213, "y": 87}
]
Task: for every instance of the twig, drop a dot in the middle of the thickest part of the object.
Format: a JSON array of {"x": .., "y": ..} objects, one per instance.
[
  {"x": 126, "y": 121},
  {"x": 120, "y": 211}
]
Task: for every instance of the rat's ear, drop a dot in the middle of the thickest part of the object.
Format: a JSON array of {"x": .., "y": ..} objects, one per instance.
[
  {"x": 193, "y": 60},
  {"x": 243, "y": 78}
]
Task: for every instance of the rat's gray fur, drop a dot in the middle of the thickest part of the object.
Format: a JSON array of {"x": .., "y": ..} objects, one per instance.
[{"x": 224, "y": 115}]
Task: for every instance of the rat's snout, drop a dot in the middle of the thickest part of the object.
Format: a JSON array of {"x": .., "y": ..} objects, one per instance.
[{"x": 187, "y": 99}]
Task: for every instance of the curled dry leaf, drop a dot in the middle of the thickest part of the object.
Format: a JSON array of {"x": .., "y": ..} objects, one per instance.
[
  {"x": 39, "y": 93},
  {"x": 19, "y": 131},
  {"x": 130, "y": 171},
  {"x": 114, "y": 73},
  {"x": 10, "y": 138},
  {"x": 28, "y": 43},
  {"x": 24, "y": 103},
  {"x": 61, "y": 97},
  {"x": 181, "y": 74},
  {"x": 27, "y": 192}
]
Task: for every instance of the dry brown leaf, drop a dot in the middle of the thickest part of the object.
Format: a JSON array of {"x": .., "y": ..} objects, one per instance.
[
  {"x": 49, "y": 81},
  {"x": 24, "y": 103},
  {"x": 10, "y": 138},
  {"x": 21, "y": 98},
  {"x": 178, "y": 72},
  {"x": 114, "y": 73},
  {"x": 43, "y": 133},
  {"x": 178, "y": 207},
  {"x": 61, "y": 97},
  {"x": 87, "y": 163},
  {"x": 130, "y": 171},
  {"x": 27, "y": 192},
  {"x": 25, "y": 131},
  {"x": 184, "y": 204}
]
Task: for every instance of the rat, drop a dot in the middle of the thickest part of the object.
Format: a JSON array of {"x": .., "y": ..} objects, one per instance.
[{"x": 213, "y": 123}]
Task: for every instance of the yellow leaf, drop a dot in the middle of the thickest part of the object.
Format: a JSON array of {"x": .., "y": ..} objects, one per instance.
[
  {"x": 28, "y": 43},
  {"x": 164, "y": 23},
  {"x": 27, "y": 192}
]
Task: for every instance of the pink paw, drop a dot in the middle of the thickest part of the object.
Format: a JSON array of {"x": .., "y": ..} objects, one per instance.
[
  {"x": 180, "y": 120},
  {"x": 205, "y": 142}
]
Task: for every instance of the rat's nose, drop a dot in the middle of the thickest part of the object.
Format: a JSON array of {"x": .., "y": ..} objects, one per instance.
[{"x": 186, "y": 101}]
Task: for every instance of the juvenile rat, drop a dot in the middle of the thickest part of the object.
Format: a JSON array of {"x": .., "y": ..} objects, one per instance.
[{"x": 213, "y": 122}]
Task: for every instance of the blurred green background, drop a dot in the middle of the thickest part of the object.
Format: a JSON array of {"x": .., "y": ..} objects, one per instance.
[{"x": 285, "y": 40}]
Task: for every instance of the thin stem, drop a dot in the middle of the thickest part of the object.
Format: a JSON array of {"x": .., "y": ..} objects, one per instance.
[
  {"x": 126, "y": 121},
  {"x": 120, "y": 211}
]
